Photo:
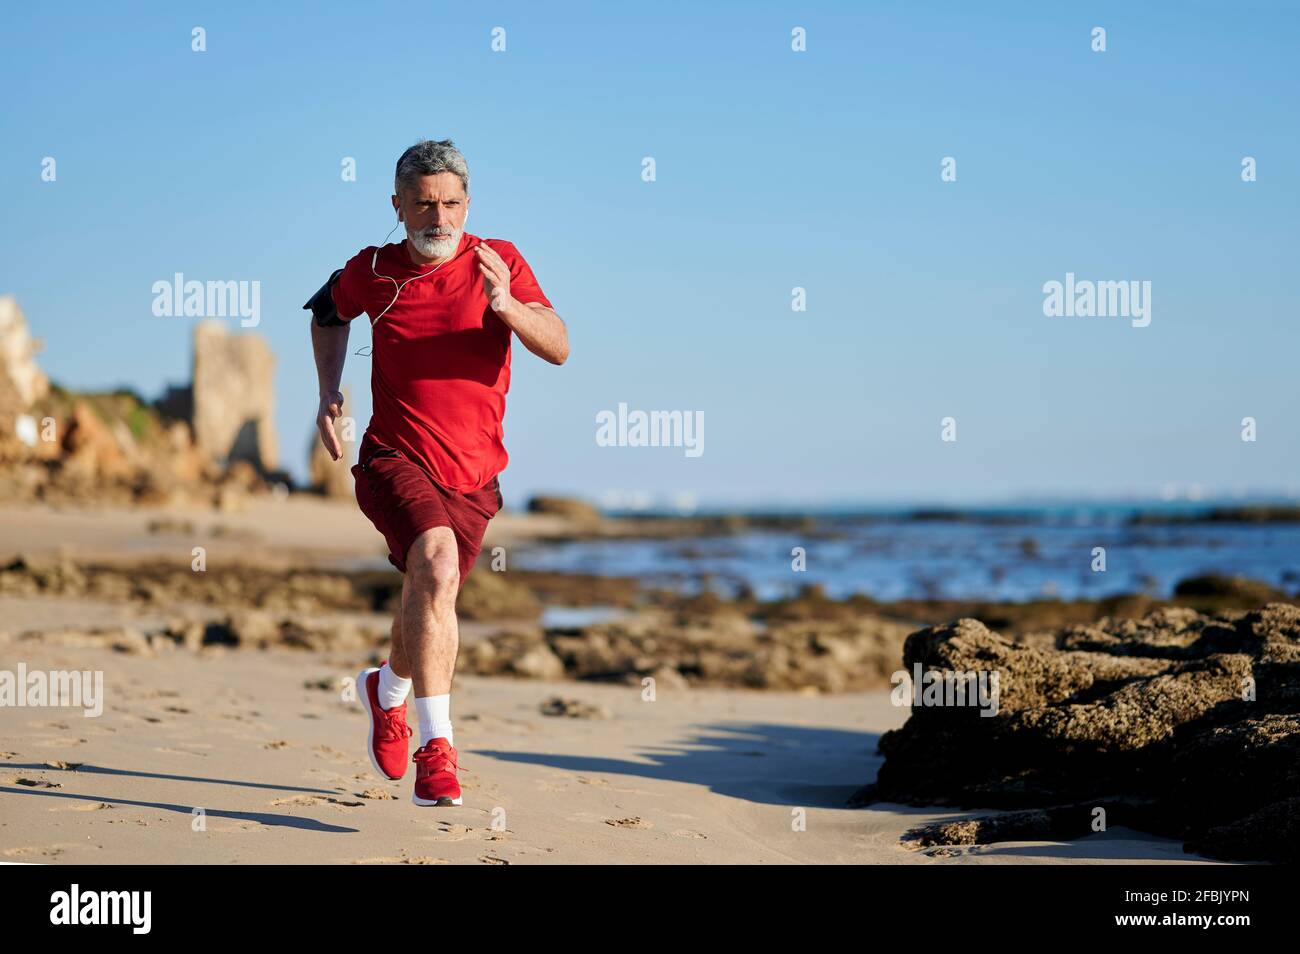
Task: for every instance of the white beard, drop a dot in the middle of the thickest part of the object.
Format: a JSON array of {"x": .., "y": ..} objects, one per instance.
[{"x": 430, "y": 244}]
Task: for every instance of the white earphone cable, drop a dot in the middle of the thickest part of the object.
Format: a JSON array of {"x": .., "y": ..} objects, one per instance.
[{"x": 366, "y": 350}]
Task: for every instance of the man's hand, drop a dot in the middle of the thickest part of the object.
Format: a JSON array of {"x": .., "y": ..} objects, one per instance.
[
  {"x": 496, "y": 278},
  {"x": 331, "y": 406},
  {"x": 539, "y": 328}
]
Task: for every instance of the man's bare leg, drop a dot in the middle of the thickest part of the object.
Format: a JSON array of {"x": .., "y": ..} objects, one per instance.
[
  {"x": 429, "y": 634},
  {"x": 398, "y": 661}
]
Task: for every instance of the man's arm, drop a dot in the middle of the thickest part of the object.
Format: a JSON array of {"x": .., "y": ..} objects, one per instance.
[
  {"x": 540, "y": 329},
  {"x": 329, "y": 342},
  {"x": 330, "y": 345}
]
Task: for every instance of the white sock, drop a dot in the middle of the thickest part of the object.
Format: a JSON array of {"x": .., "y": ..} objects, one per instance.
[
  {"x": 434, "y": 713},
  {"x": 392, "y": 688}
]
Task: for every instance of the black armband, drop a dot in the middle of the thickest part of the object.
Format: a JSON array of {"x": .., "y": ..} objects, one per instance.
[{"x": 321, "y": 304}]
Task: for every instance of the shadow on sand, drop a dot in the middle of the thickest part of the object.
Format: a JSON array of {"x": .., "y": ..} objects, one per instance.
[
  {"x": 758, "y": 762},
  {"x": 264, "y": 818},
  {"x": 269, "y": 819}
]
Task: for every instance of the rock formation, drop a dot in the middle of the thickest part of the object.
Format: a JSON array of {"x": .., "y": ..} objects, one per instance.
[
  {"x": 1180, "y": 724},
  {"x": 61, "y": 446},
  {"x": 21, "y": 382},
  {"x": 234, "y": 397}
]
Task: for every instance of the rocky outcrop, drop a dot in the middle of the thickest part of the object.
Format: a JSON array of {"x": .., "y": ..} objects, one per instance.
[
  {"x": 65, "y": 447},
  {"x": 1181, "y": 724},
  {"x": 234, "y": 397},
  {"x": 719, "y": 648},
  {"x": 21, "y": 382},
  {"x": 494, "y": 596},
  {"x": 569, "y": 507}
]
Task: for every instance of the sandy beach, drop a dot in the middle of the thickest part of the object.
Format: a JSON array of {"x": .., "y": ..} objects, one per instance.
[
  {"x": 270, "y": 746},
  {"x": 698, "y": 776}
]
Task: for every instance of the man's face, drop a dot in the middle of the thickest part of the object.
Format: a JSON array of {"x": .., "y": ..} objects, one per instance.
[{"x": 433, "y": 208}]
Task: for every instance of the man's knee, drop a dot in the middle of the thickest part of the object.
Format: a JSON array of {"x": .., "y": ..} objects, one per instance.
[{"x": 433, "y": 565}]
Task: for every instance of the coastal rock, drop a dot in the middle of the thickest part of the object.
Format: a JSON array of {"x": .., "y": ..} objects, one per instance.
[
  {"x": 538, "y": 662},
  {"x": 569, "y": 507},
  {"x": 90, "y": 446},
  {"x": 22, "y": 383},
  {"x": 494, "y": 596},
  {"x": 1227, "y": 591},
  {"x": 723, "y": 648},
  {"x": 511, "y": 653},
  {"x": 572, "y": 708},
  {"x": 1180, "y": 723},
  {"x": 65, "y": 447},
  {"x": 234, "y": 397}
]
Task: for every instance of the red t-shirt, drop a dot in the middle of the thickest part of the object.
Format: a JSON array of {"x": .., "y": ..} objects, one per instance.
[{"x": 441, "y": 360}]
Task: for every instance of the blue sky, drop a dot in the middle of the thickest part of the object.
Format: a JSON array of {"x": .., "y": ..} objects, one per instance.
[{"x": 775, "y": 169}]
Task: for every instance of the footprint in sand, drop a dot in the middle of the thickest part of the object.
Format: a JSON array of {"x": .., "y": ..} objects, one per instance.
[
  {"x": 687, "y": 833},
  {"x": 239, "y": 828},
  {"x": 403, "y": 860},
  {"x": 83, "y": 807},
  {"x": 308, "y": 801},
  {"x": 276, "y": 744},
  {"x": 48, "y": 851},
  {"x": 334, "y": 755},
  {"x": 604, "y": 783},
  {"x": 628, "y": 823},
  {"x": 458, "y": 832}
]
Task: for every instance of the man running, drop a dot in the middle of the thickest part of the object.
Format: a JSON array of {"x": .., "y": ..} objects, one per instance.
[{"x": 442, "y": 306}]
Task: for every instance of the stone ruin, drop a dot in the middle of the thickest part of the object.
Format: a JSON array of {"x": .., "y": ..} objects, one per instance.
[
  {"x": 233, "y": 397},
  {"x": 212, "y": 441}
]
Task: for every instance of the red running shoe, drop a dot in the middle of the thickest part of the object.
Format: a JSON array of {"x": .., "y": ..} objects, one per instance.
[
  {"x": 387, "y": 745},
  {"x": 435, "y": 774}
]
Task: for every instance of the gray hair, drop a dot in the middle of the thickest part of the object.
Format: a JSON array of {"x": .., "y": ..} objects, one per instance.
[{"x": 428, "y": 158}]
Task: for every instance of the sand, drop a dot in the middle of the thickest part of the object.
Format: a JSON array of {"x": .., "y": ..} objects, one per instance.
[
  {"x": 302, "y": 530},
  {"x": 697, "y": 776},
  {"x": 267, "y": 745}
]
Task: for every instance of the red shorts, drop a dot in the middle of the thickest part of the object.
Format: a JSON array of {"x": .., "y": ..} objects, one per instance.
[{"x": 403, "y": 501}]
